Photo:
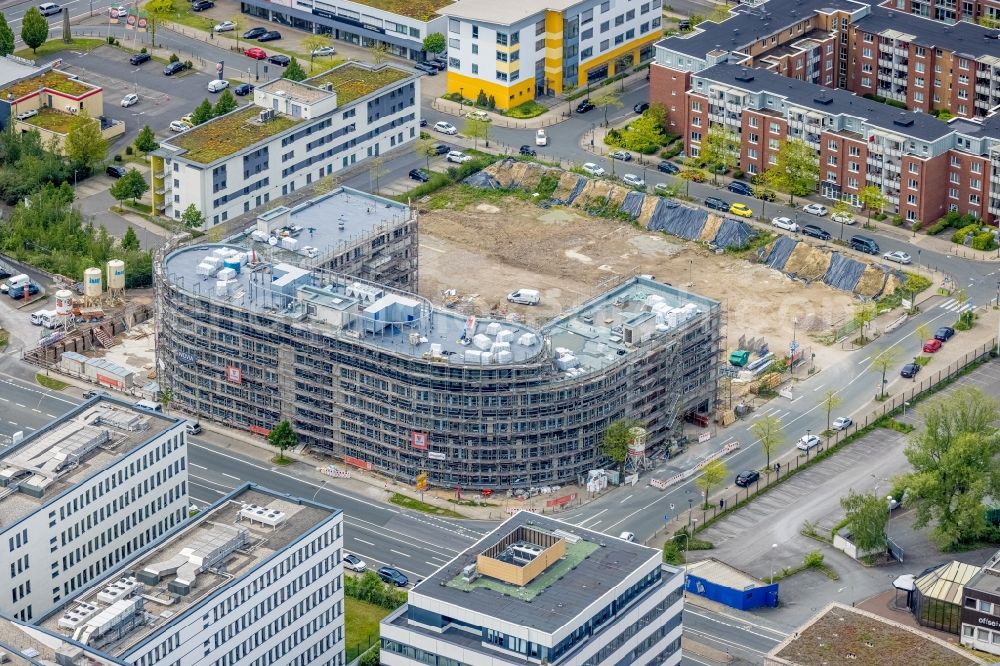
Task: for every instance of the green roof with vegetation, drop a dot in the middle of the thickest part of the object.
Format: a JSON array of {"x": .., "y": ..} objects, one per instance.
[
  {"x": 352, "y": 81},
  {"x": 51, "y": 79},
  {"x": 422, "y": 10},
  {"x": 53, "y": 120},
  {"x": 229, "y": 134}
]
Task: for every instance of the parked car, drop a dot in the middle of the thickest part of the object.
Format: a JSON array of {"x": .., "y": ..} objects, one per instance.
[
  {"x": 324, "y": 51},
  {"x": 745, "y": 478},
  {"x": 18, "y": 294},
  {"x": 431, "y": 70},
  {"x": 130, "y": 99},
  {"x": 661, "y": 189},
  {"x": 442, "y": 149},
  {"x": 584, "y": 106},
  {"x": 225, "y": 26},
  {"x": 528, "y": 150},
  {"x": 179, "y": 126},
  {"x": 393, "y": 576},
  {"x": 256, "y": 53},
  {"x": 201, "y": 5},
  {"x": 815, "y": 209},
  {"x": 622, "y": 155},
  {"x": 254, "y": 33},
  {"x": 627, "y": 536},
  {"x": 243, "y": 89},
  {"x": 944, "y": 333},
  {"x": 172, "y": 68},
  {"x": 445, "y": 127},
  {"x": 641, "y": 107},
  {"x": 217, "y": 85},
  {"x": 932, "y": 346},
  {"x": 478, "y": 115},
  {"x": 139, "y": 58},
  {"x": 716, "y": 203},
  {"x": 458, "y": 157},
  {"x": 115, "y": 171},
  {"x": 93, "y": 393},
  {"x": 807, "y": 442},
  {"x": 910, "y": 370},
  {"x": 815, "y": 232},
  {"x": 897, "y": 256},
  {"x": 419, "y": 175},
  {"x": 842, "y": 218},
  {"x": 541, "y": 138},
  {"x": 741, "y": 210},
  {"x": 49, "y": 8},
  {"x": 739, "y": 187},
  {"x": 593, "y": 169},
  {"x": 192, "y": 428},
  {"x": 279, "y": 59},
  {"x": 633, "y": 180},
  {"x": 785, "y": 223},
  {"x": 269, "y": 36},
  {"x": 864, "y": 244},
  {"x": 841, "y": 423},
  {"x": 354, "y": 563},
  {"x": 668, "y": 167},
  {"x": 423, "y": 122}
]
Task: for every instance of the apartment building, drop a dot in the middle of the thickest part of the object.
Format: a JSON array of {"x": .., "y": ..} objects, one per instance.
[
  {"x": 924, "y": 166},
  {"x": 517, "y": 51},
  {"x": 294, "y": 134},
  {"x": 540, "y": 590},
  {"x": 981, "y": 609},
  {"x": 400, "y": 27},
  {"x": 985, "y": 12},
  {"x": 83, "y": 494}
]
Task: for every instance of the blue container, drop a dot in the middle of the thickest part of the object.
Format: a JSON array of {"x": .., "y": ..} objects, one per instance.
[{"x": 232, "y": 263}]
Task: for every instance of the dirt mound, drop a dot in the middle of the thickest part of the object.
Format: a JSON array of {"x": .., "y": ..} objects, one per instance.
[
  {"x": 812, "y": 322},
  {"x": 711, "y": 228},
  {"x": 594, "y": 189},
  {"x": 647, "y": 210},
  {"x": 808, "y": 261},
  {"x": 872, "y": 282},
  {"x": 892, "y": 283},
  {"x": 618, "y": 193},
  {"x": 567, "y": 184}
]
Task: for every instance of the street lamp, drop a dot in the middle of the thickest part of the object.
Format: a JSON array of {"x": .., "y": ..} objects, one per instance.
[
  {"x": 74, "y": 178},
  {"x": 905, "y": 405},
  {"x": 690, "y": 504},
  {"x": 889, "y": 519},
  {"x": 461, "y": 100},
  {"x": 774, "y": 547}
]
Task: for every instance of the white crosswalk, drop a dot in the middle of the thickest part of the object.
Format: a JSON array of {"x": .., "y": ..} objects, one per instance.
[{"x": 951, "y": 305}]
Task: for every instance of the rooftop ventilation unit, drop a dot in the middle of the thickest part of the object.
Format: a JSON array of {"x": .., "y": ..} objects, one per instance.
[
  {"x": 120, "y": 589},
  {"x": 903, "y": 122},
  {"x": 745, "y": 76},
  {"x": 263, "y": 514},
  {"x": 823, "y": 99},
  {"x": 77, "y": 615}
]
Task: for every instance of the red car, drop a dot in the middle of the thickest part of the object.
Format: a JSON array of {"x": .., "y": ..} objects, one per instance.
[
  {"x": 256, "y": 53},
  {"x": 932, "y": 346}
]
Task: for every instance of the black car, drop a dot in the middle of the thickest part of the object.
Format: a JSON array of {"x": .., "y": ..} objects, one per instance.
[
  {"x": 116, "y": 171},
  {"x": 423, "y": 122},
  {"x": 441, "y": 149},
  {"x": 270, "y": 36},
  {"x": 5, "y": 272},
  {"x": 427, "y": 68},
  {"x": 243, "y": 89},
  {"x": 641, "y": 107},
  {"x": 18, "y": 294},
  {"x": 280, "y": 59},
  {"x": 815, "y": 232},
  {"x": 139, "y": 58},
  {"x": 745, "y": 478},
  {"x": 740, "y": 187},
  {"x": 910, "y": 370},
  {"x": 584, "y": 106},
  {"x": 393, "y": 576},
  {"x": 439, "y": 65},
  {"x": 944, "y": 333},
  {"x": 172, "y": 68},
  {"x": 201, "y": 5},
  {"x": 529, "y": 151},
  {"x": 254, "y": 33},
  {"x": 87, "y": 395},
  {"x": 419, "y": 174},
  {"x": 668, "y": 167},
  {"x": 716, "y": 203}
]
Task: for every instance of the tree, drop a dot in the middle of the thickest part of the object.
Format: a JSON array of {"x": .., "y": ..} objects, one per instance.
[
  {"x": 866, "y": 519},
  {"x": 923, "y": 334},
  {"x": 192, "y": 217},
  {"x": 166, "y": 397},
  {"x": 688, "y": 175},
  {"x": 830, "y": 402},
  {"x": 644, "y": 134},
  {"x": 435, "y": 43},
  {"x": 864, "y": 313},
  {"x": 764, "y": 193},
  {"x": 312, "y": 43},
  {"x": 770, "y": 433},
  {"x": 225, "y": 103},
  {"x": 841, "y": 209},
  {"x": 34, "y": 28},
  {"x": 6, "y": 37},
  {"x": 884, "y": 360},
  {"x": 202, "y": 113},
  {"x": 130, "y": 186},
  {"x": 720, "y": 150},
  {"x": 145, "y": 141},
  {"x": 379, "y": 52},
  {"x": 954, "y": 467},
  {"x": 711, "y": 475},
  {"x": 130, "y": 241},
  {"x": 616, "y": 439},
  {"x": 608, "y": 99},
  {"x": 658, "y": 112},
  {"x": 795, "y": 171},
  {"x": 294, "y": 71},
  {"x": 85, "y": 147},
  {"x": 425, "y": 147},
  {"x": 871, "y": 198},
  {"x": 477, "y": 129},
  {"x": 283, "y": 437},
  {"x": 237, "y": 20}
]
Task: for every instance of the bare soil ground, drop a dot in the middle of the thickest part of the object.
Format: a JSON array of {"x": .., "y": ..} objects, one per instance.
[{"x": 485, "y": 251}]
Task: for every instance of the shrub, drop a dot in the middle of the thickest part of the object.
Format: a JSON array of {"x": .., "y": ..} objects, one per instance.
[
  {"x": 880, "y": 216},
  {"x": 174, "y": 58},
  {"x": 481, "y": 98},
  {"x": 984, "y": 240},
  {"x": 529, "y": 109},
  {"x": 737, "y": 173},
  {"x": 370, "y": 588},
  {"x": 937, "y": 227},
  {"x": 188, "y": 64},
  {"x": 128, "y": 150},
  {"x": 917, "y": 224},
  {"x": 959, "y": 236},
  {"x": 118, "y": 158},
  {"x": 143, "y": 50},
  {"x": 897, "y": 221},
  {"x": 813, "y": 559}
]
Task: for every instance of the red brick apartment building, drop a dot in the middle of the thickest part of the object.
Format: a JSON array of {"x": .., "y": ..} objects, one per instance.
[{"x": 950, "y": 10}]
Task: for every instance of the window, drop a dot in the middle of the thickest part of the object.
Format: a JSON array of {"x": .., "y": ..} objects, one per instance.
[
  {"x": 605, "y": 26},
  {"x": 501, "y": 56},
  {"x": 773, "y": 144},
  {"x": 540, "y": 45},
  {"x": 605, "y": 6},
  {"x": 974, "y": 183},
  {"x": 952, "y": 193},
  {"x": 866, "y": 82},
  {"x": 852, "y": 167},
  {"x": 605, "y": 45},
  {"x": 832, "y": 160},
  {"x": 454, "y": 25},
  {"x": 918, "y": 67},
  {"x": 696, "y": 121},
  {"x": 587, "y": 16},
  {"x": 866, "y": 52},
  {"x": 630, "y": 15},
  {"x": 752, "y": 153},
  {"x": 475, "y": 68},
  {"x": 515, "y": 55},
  {"x": 754, "y": 122},
  {"x": 501, "y": 76},
  {"x": 963, "y": 63},
  {"x": 976, "y": 167},
  {"x": 696, "y": 136},
  {"x": 868, "y": 38},
  {"x": 774, "y": 128},
  {"x": 619, "y": 20},
  {"x": 914, "y": 167},
  {"x": 753, "y": 137},
  {"x": 475, "y": 49},
  {"x": 475, "y": 32},
  {"x": 587, "y": 53},
  {"x": 586, "y": 34},
  {"x": 619, "y": 39},
  {"x": 644, "y": 8},
  {"x": 912, "y": 183},
  {"x": 453, "y": 43},
  {"x": 502, "y": 38},
  {"x": 540, "y": 28},
  {"x": 454, "y": 63},
  {"x": 853, "y": 151}
]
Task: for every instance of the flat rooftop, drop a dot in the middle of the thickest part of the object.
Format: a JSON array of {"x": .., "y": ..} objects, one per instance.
[
  {"x": 219, "y": 547},
  {"x": 52, "y": 79},
  {"x": 963, "y": 37},
  {"x": 55, "y": 120},
  {"x": 24, "y": 645},
  {"x": 353, "y": 80},
  {"x": 295, "y": 91},
  {"x": 594, "y": 563},
  {"x": 423, "y": 10},
  {"x": 70, "y": 449},
  {"x": 11, "y": 70},
  {"x": 229, "y": 134},
  {"x": 505, "y": 13}
]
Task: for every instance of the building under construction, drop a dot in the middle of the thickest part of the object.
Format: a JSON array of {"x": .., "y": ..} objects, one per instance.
[{"x": 312, "y": 322}]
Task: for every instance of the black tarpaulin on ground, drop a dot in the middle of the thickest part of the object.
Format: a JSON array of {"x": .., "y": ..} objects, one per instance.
[
  {"x": 581, "y": 183},
  {"x": 677, "y": 220},
  {"x": 844, "y": 272},
  {"x": 780, "y": 251},
  {"x": 482, "y": 179},
  {"x": 633, "y": 203},
  {"x": 734, "y": 233}
]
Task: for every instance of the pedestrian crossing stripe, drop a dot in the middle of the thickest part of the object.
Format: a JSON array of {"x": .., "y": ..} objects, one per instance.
[{"x": 952, "y": 305}]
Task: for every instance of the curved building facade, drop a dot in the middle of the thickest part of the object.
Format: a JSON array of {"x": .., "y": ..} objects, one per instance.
[{"x": 381, "y": 379}]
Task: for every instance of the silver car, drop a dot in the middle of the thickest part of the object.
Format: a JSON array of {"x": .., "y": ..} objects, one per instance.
[{"x": 898, "y": 256}]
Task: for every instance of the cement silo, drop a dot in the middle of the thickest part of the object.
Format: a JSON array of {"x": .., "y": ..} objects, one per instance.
[
  {"x": 116, "y": 281},
  {"x": 93, "y": 286}
]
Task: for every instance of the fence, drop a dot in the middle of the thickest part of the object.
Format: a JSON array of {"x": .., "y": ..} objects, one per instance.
[{"x": 357, "y": 648}]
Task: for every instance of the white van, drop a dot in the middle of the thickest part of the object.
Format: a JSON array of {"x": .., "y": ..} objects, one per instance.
[
  {"x": 16, "y": 282},
  {"x": 150, "y": 405},
  {"x": 40, "y": 317},
  {"x": 541, "y": 139},
  {"x": 524, "y": 296}
]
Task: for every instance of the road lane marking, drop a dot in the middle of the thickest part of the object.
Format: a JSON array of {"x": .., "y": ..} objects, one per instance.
[
  {"x": 367, "y": 543},
  {"x": 722, "y": 641},
  {"x": 20, "y": 405},
  {"x": 864, "y": 360},
  {"x": 399, "y": 553},
  {"x": 627, "y": 498},
  {"x": 587, "y": 520},
  {"x": 819, "y": 387},
  {"x": 594, "y": 526},
  {"x": 36, "y": 410},
  {"x": 235, "y": 478},
  {"x": 441, "y": 559},
  {"x": 741, "y": 624},
  {"x": 198, "y": 466}
]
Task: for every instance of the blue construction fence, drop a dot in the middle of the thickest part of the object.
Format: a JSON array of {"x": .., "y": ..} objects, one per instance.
[{"x": 748, "y": 599}]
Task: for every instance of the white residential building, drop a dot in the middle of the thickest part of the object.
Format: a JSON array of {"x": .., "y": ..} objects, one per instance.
[
  {"x": 293, "y": 135},
  {"x": 83, "y": 494},
  {"x": 254, "y": 580}
]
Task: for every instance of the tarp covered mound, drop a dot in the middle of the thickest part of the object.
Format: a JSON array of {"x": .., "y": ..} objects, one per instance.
[
  {"x": 779, "y": 251},
  {"x": 678, "y": 220},
  {"x": 844, "y": 272},
  {"x": 733, "y": 233},
  {"x": 569, "y": 187},
  {"x": 483, "y": 179},
  {"x": 632, "y": 204}
]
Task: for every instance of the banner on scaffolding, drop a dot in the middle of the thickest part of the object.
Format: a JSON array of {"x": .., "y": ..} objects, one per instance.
[{"x": 131, "y": 20}]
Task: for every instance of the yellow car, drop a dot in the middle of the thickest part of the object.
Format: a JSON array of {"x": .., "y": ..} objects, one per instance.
[{"x": 741, "y": 209}]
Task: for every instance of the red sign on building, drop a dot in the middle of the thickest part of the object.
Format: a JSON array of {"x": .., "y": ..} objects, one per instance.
[
  {"x": 109, "y": 381},
  {"x": 419, "y": 440},
  {"x": 560, "y": 501},
  {"x": 234, "y": 374},
  {"x": 357, "y": 462},
  {"x": 258, "y": 430}
]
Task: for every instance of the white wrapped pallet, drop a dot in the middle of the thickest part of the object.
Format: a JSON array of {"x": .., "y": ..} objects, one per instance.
[
  {"x": 227, "y": 274},
  {"x": 289, "y": 243},
  {"x": 493, "y": 328},
  {"x": 482, "y": 342},
  {"x": 221, "y": 288},
  {"x": 435, "y": 349},
  {"x": 499, "y": 347},
  {"x": 212, "y": 260},
  {"x": 206, "y": 269},
  {"x": 473, "y": 355},
  {"x": 505, "y": 335},
  {"x": 526, "y": 339},
  {"x": 259, "y": 236},
  {"x": 504, "y": 357},
  {"x": 653, "y": 299},
  {"x": 241, "y": 257}
]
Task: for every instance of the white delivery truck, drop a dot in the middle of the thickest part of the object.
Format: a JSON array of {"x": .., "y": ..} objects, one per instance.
[
  {"x": 524, "y": 296},
  {"x": 17, "y": 282}
]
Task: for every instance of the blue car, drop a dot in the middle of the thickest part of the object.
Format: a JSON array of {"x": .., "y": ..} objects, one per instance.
[
  {"x": 740, "y": 187},
  {"x": 393, "y": 576}
]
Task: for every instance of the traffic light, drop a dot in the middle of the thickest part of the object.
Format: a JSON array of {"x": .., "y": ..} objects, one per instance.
[{"x": 421, "y": 482}]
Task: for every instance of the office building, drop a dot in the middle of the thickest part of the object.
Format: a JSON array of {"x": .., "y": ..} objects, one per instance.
[
  {"x": 518, "y": 51},
  {"x": 22, "y": 644},
  {"x": 331, "y": 337},
  {"x": 83, "y": 494},
  {"x": 294, "y": 134},
  {"x": 537, "y": 590},
  {"x": 256, "y": 579},
  {"x": 981, "y": 609}
]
